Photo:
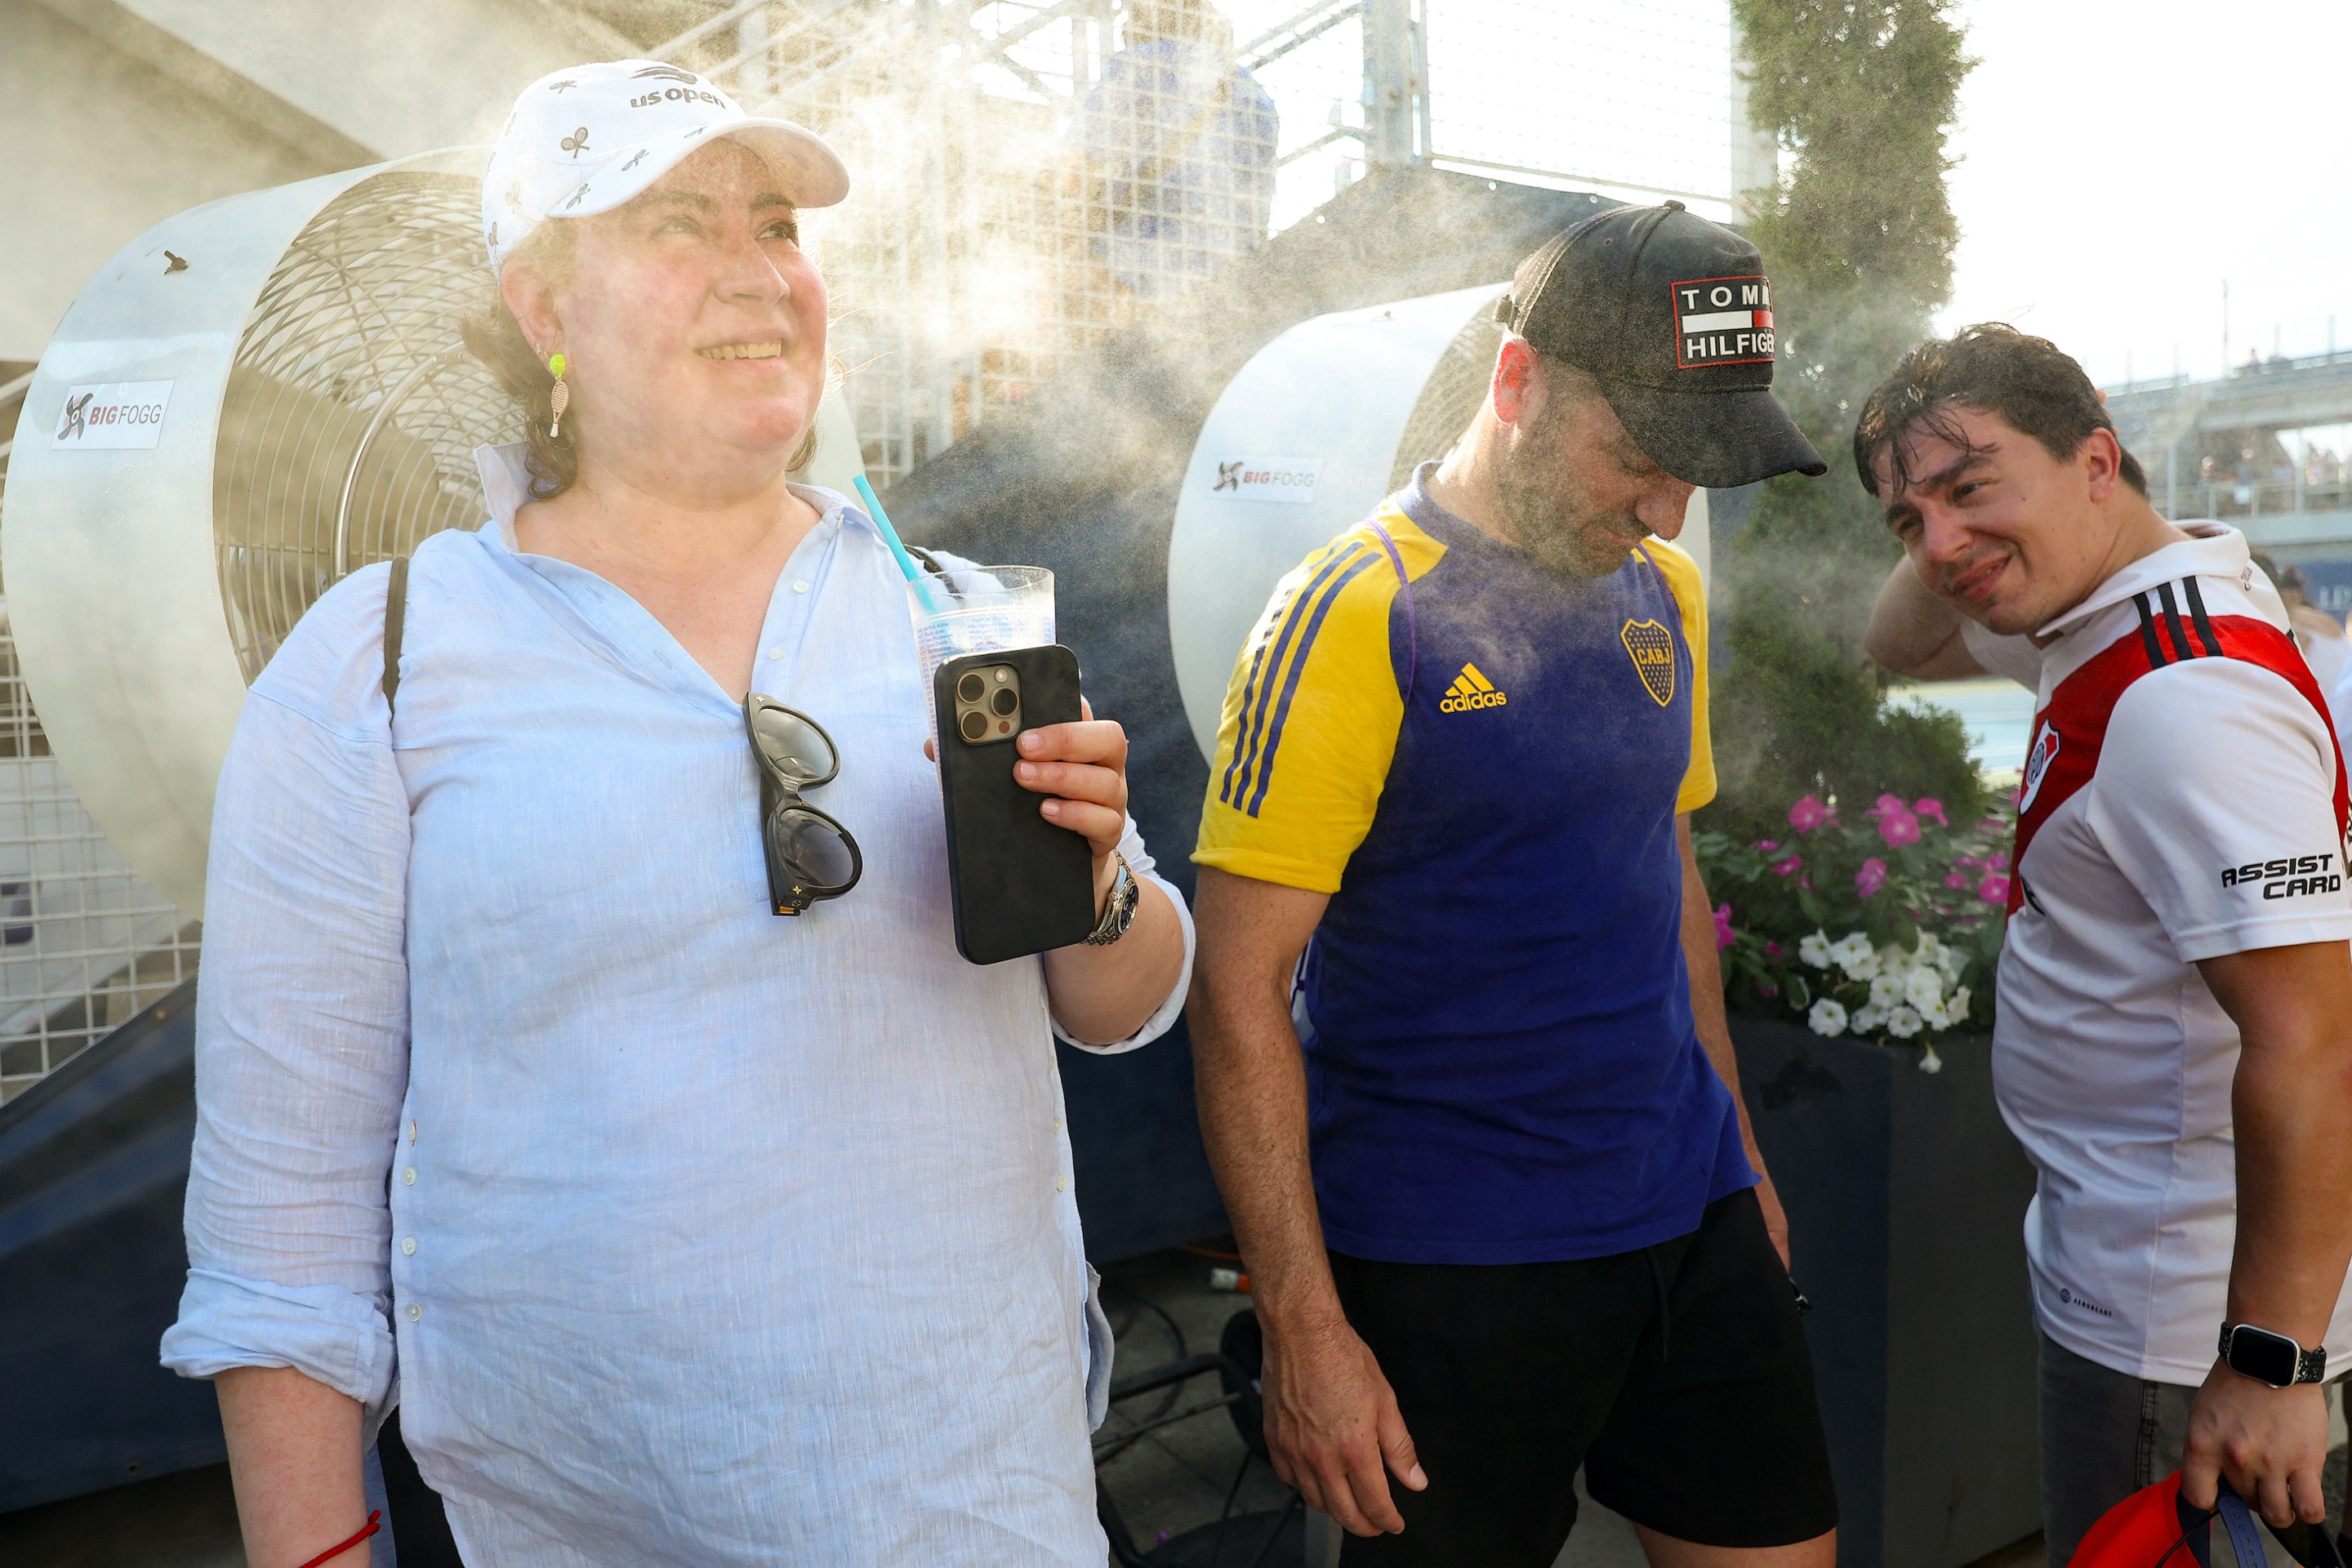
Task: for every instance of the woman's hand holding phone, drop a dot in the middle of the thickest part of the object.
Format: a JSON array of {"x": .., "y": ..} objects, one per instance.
[{"x": 1081, "y": 769}]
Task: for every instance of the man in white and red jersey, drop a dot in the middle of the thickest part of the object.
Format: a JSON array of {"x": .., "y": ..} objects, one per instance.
[{"x": 2174, "y": 1037}]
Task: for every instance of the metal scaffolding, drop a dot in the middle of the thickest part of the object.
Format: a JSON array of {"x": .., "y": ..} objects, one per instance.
[{"x": 1032, "y": 175}]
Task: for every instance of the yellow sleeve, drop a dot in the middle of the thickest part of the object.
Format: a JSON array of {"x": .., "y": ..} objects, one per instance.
[
  {"x": 1681, "y": 573},
  {"x": 1310, "y": 721}
]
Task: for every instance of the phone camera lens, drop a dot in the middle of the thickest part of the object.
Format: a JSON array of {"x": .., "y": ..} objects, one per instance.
[
  {"x": 975, "y": 726},
  {"x": 1004, "y": 703},
  {"x": 972, "y": 687}
]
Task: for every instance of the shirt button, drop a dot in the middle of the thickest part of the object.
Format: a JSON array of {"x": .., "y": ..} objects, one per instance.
[
  {"x": 408, "y": 1246},
  {"x": 776, "y": 653},
  {"x": 412, "y": 1130},
  {"x": 409, "y": 1175},
  {"x": 414, "y": 1311},
  {"x": 1061, "y": 1184},
  {"x": 799, "y": 587}
]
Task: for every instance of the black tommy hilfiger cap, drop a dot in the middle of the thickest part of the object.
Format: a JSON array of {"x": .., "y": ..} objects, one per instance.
[{"x": 1673, "y": 316}]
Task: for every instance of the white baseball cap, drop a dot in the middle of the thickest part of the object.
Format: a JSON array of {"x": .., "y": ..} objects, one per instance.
[{"x": 586, "y": 140}]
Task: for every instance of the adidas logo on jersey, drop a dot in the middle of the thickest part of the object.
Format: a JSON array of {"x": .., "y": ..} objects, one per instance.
[{"x": 1471, "y": 690}]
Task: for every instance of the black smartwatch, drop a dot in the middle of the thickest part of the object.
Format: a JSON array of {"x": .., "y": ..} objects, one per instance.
[{"x": 2271, "y": 1358}]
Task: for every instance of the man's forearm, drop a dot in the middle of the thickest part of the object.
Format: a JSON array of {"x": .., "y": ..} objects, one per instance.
[
  {"x": 2292, "y": 1111},
  {"x": 1914, "y": 633},
  {"x": 1252, "y": 1087},
  {"x": 1706, "y": 971}
]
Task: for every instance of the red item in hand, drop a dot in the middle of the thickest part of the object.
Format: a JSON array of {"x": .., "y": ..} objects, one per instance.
[{"x": 374, "y": 1523}]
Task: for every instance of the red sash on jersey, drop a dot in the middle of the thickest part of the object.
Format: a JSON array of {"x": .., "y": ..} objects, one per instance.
[{"x": 2068, "y": 733}]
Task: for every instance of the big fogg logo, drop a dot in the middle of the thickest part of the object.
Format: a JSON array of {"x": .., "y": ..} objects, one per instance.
[
  {"x": 115, "y": 415},
  {"x": 2290, "y": 877}
]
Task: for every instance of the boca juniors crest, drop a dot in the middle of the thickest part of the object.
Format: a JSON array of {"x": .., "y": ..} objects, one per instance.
[{"x": 1651, "y": 648}]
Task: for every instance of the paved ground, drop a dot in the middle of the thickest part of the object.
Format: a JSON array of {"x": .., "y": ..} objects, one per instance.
[{"x": 1169, "y": 1481}]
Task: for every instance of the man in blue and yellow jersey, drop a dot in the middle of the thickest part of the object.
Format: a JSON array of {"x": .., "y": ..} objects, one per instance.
[{"x": 1502, "y": 1215}]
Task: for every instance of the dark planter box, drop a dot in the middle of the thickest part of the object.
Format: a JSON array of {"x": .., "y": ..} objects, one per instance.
[{"x": 1906, "y": 1198}]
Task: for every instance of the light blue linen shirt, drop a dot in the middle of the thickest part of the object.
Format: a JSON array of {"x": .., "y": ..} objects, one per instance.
[{"x": 712, "y": 1238}]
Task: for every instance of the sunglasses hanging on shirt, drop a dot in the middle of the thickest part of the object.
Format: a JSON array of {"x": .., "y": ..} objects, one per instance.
[{"x": 810, "y": 855}]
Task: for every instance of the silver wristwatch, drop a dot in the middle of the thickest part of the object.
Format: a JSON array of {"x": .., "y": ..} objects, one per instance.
[{"x": 1119, "y": 911}]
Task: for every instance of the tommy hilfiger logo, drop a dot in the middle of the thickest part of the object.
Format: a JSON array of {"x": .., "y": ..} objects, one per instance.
[
  {"x": 1723, "y": 320},
  {"x": 1471, "y": 690}
]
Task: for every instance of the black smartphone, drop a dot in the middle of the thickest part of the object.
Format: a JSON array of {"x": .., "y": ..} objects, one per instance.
[{"x": 1019, "y": 885}]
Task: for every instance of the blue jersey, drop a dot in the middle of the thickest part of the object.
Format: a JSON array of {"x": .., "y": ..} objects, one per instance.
[{"x": 1485, "y": 772}]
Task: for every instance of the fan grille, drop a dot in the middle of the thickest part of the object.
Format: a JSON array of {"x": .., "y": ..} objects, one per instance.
[
  {"x": 1450, "y": 395},
  {"x": 352, "y": 399}
]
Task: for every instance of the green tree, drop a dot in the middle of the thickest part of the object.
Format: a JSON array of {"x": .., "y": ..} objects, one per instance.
[{"x": 1857, "y": 235}]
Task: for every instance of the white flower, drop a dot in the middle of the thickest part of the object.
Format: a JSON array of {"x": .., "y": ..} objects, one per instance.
[
  {"x": 1959, "y": 1005},
  {"x": 1815, "y": 949},
  {"x": 1936, "y": 1018},
  {"x": 1930, "y": 1062},
  {"x": 1854, "y": 956},
  {"x": 1885, "y": 990},
  {"x": 1923, "y": 987},
  {"x": 1929, "y": 947},
  {"x": 1949, "y": 962},
  {"x": 1903, "y": 1022},
  {"x": 1866, "y": 1019},
  {"x": 1827, "y": 1018}
]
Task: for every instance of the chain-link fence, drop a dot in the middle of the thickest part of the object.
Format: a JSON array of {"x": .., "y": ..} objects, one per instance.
[{"x": 85, "y": 943}]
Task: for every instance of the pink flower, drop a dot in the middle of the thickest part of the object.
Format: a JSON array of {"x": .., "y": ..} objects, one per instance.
[
  {"x": 1872, "y": 877},
  {"x": 1929, "y": 806},
  {"x": 1768, "y": 844},
  {"x": 1787, "y": 868},
  {"x": 1887, "y": 803},
  {"x": 1771, "y": 950},
  {"x": 1956, "y": 877},
  {"x": 1722, "y": 927},
  {"x": 1898, "y": 827},
  {"x": 1808, "y": 814},
  {"x": 1994, "y": 890},
  {"x": 1997, "y": 860}
]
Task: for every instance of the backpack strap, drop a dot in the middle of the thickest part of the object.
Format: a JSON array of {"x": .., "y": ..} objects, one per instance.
[
  {"x": 930, "y": 563},
  {"x": 396, "y": 619}
]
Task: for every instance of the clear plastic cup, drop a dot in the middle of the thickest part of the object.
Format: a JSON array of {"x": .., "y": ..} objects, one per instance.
[{"x": 982, "y": 609}]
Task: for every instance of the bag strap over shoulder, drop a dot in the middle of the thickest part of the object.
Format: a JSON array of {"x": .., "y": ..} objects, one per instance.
[{"x": 395, "y": 618}]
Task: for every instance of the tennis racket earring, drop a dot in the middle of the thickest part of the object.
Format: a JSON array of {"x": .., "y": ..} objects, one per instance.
[{"x": 559, "y": 396}]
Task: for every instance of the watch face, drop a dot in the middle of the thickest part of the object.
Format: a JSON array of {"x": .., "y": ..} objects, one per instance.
[{"x": 2264, "y": 1356}]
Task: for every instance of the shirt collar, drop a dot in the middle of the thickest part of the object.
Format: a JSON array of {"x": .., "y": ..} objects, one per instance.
[
  {"x": 2213, "y": 550},
  {"x": 505, "y": 485}
]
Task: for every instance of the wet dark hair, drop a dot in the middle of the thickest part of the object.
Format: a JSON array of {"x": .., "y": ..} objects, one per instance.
[
  {"x": 497, "y": 339},
  {"x": 1992, "y": 368}
]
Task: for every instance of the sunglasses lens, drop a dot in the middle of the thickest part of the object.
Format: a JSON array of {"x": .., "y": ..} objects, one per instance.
[
  {"x": 812, "y": 849},
  {"x": 796, "y": 747}
]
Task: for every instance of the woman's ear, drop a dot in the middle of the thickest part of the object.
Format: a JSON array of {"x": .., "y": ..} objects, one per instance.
[{"x": 531, "y": 297}]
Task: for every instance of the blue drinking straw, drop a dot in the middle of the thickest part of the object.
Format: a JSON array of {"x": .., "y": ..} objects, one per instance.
[{"x": 891, "y": 537}]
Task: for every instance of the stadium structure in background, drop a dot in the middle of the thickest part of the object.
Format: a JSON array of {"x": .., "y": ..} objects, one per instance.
[{"x": 1034, "y": 174}]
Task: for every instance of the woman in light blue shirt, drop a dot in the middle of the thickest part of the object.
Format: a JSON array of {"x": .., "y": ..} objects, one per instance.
[{"x": 711, "y": 1237}]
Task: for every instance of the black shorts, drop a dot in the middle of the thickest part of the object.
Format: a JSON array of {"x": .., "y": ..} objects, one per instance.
[{"x": 1697, "y": 1420}]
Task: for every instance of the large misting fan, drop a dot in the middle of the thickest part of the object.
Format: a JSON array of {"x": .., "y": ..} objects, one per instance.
[{"x": 251, "y": 400}]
